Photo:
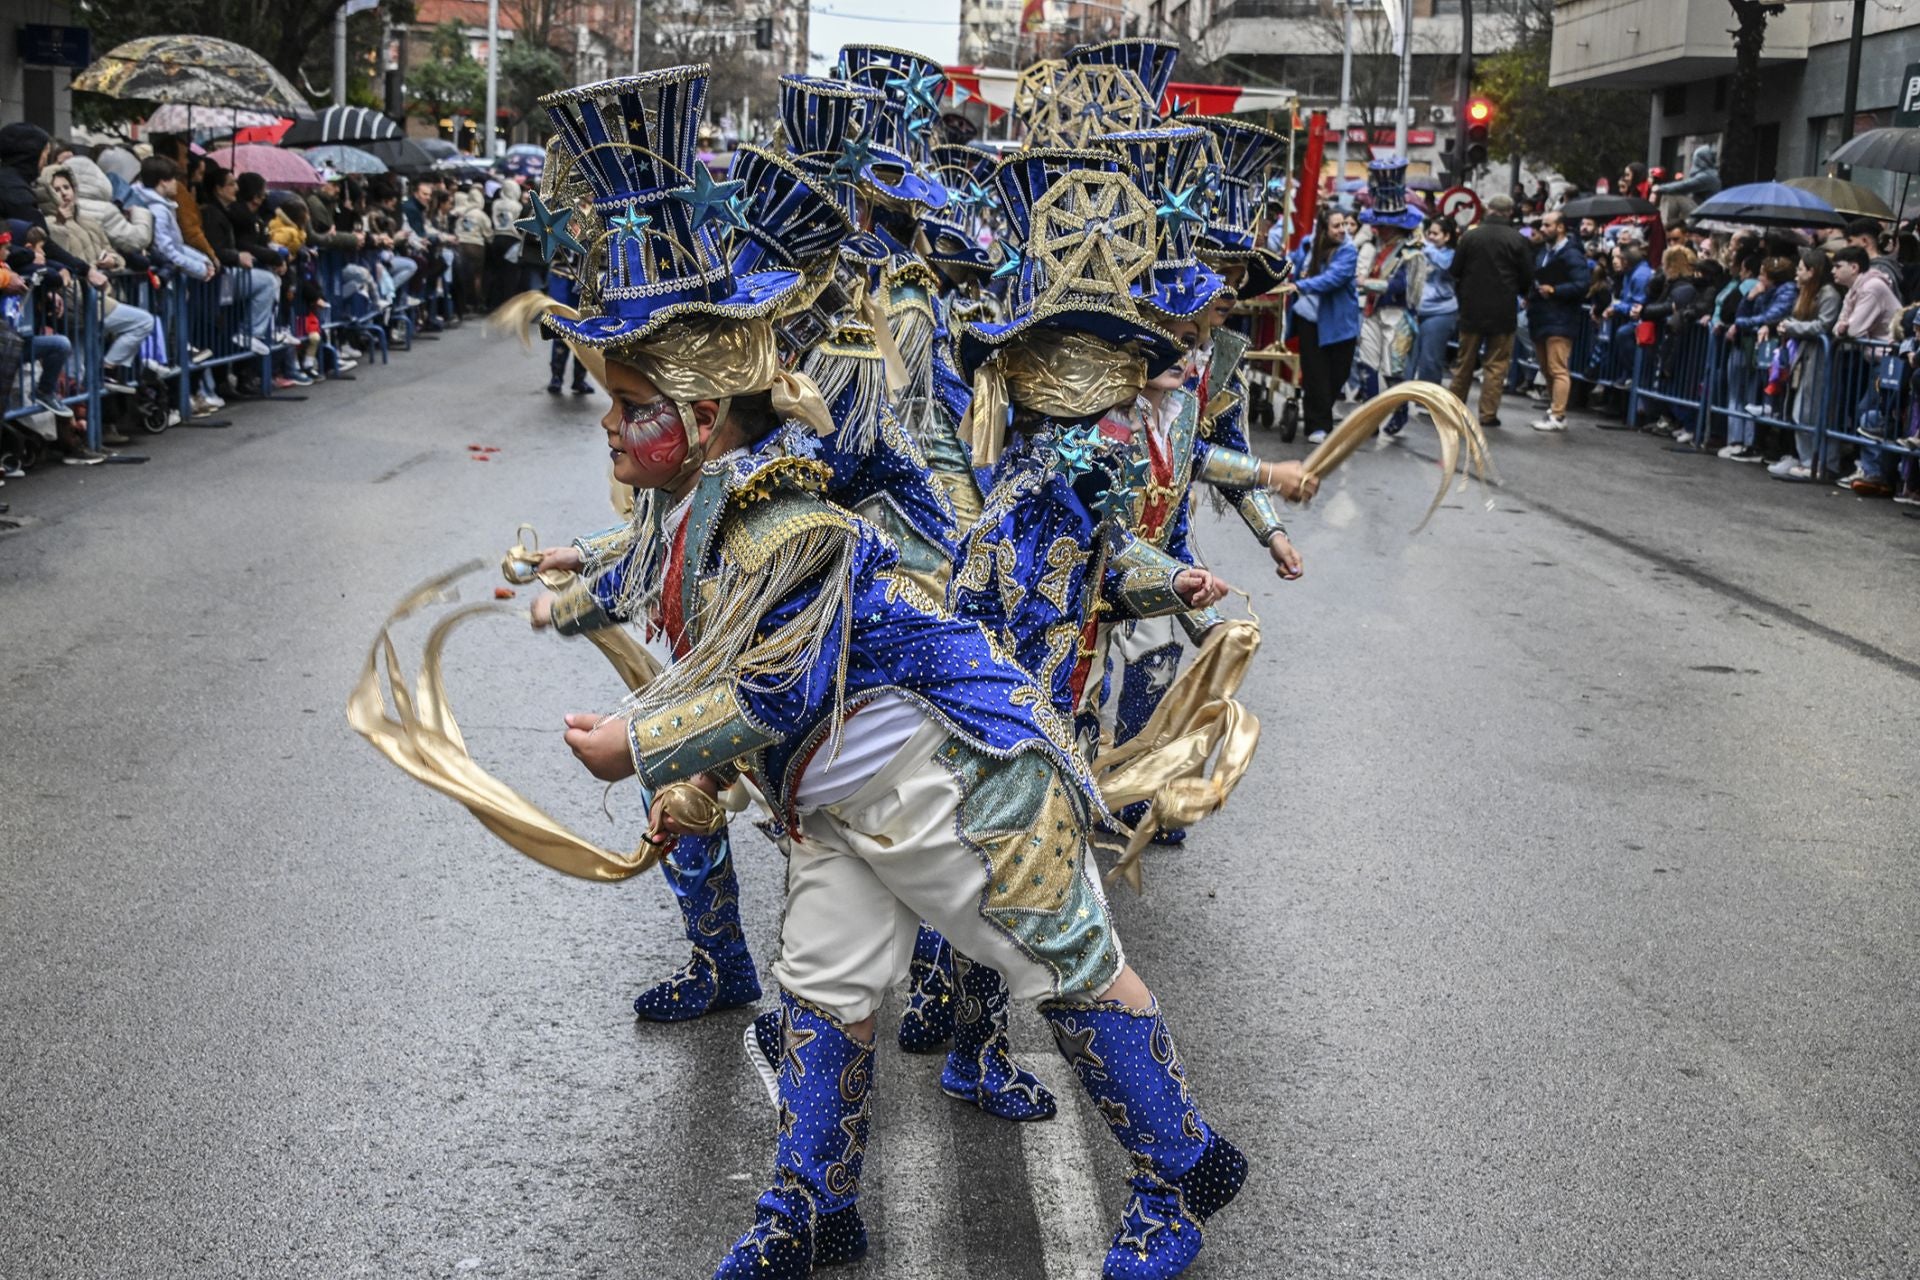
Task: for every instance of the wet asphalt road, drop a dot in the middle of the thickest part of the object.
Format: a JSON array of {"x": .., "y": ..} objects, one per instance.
[{"x": 1567, "y": 927}]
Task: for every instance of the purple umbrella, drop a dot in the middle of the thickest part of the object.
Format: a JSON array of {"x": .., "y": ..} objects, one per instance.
[{"x": 279, "y": 168}]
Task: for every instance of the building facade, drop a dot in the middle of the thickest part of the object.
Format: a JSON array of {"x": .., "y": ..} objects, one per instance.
[
  {"x": 1298, "y": 44},
  {"x": 1681, "y": 52},
  {"x": 39, "y": 56}
]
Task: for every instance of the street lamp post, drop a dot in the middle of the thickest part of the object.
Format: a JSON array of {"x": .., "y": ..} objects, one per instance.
[
  {"x": 1401, "y": 109},
  {"x": 493, "y": 74},
  {"x": 636, "y": 36},
  {"x": 1346, "y": 84}
]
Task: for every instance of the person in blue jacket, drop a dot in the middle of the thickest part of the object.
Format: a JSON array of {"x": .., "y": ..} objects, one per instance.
[
  {"x": 1326, "y": 316},
  {"x": 1561, "y": 276},
  {"x": 1632, "y": 272},
  {"x": 1764, "y": 308}
]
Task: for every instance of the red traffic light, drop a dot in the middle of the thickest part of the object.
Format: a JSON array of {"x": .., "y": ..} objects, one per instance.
[{"x": 1479, "y": 110}]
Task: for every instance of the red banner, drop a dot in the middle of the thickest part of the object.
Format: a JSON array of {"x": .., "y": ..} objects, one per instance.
[{"x": 1032, "y": 14}]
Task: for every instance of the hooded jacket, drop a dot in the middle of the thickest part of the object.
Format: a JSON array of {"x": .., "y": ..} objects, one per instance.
[
  {"x": 21, "y": 146},
  {"x": 1702, "y": 180},
  {"x": 323, "y": 227},
  {"x": 129, "y": 231},
  {"x": 470, "y": 225}
]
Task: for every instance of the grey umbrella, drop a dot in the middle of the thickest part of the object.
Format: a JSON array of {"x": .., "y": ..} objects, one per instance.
[{"x": 1891, "y": 150}]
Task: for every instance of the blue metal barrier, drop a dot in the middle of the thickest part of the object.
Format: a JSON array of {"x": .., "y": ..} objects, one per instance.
[
  {"x": 1675, "y": 372},
  {"x": 1871, "y": 399},
  {"x": 1731, "y": 401},
  {"x": 209, "y": 327},
  {"x": 79, "y": 324}
]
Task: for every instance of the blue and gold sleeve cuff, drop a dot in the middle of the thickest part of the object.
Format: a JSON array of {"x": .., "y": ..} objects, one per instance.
[{"x": 699, "y": 734}]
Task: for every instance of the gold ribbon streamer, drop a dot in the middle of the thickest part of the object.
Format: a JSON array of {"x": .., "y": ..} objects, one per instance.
[
  {"x": 1456, "y": 426},
  {"x": 1197, "y": 722},
  {"x": 875, "y": 315},
  {"x": 423, "y": 740}
]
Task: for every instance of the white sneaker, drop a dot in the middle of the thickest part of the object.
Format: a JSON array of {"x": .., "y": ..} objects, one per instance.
[
  {"x": 1846, "y": 481},
  {"x": 1795, "y": 470},
  {"x": 1683, "y": 433},
  {"x": 214, "y": 402},
  {"x": 1780, "y": 466},
  {"x": 1315, "y": 437},
  {"x": 1754, "y": 410},
  {"x": 258, "y": 347},
  {"x": 1550, "y": 423},
  {"x": 349, "y": 352},
  {"x": 1729, "y": 451},
  {"x": 347, "y": 363}
]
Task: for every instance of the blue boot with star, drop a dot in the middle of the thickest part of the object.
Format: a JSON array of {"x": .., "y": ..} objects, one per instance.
[
  {"x": 981, "y": 1069},
  {"x": 720, "y": 973},
  {"x": 1184, "y": 1171},
  {"x": 839, "y": 1238},
  {"x": 927, "y": 1024},
  {"x": 807, "y": 1218}
]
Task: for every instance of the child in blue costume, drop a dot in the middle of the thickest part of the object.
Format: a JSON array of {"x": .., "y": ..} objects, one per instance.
[{"x": 913, "y": 770}]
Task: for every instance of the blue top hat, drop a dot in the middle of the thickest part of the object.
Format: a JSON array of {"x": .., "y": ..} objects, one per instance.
[
  {"x": 913, "y": 86},
  {"x": 1171, "y": 165},
  {"x": 954, "y": 234},
  {"x": 786, "y": 220},
  {"x": 652, "y": 233},
  {"x": 1247, "y": 152},
  {"x": 826, "y": 122},
  {"x": 1152, "y": 60},
  {"x": 1387, "y": 181},
  {"x": 1066, "y": 234}
]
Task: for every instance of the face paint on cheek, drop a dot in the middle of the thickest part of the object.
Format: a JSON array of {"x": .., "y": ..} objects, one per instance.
[{"x": 653, "y": 436}]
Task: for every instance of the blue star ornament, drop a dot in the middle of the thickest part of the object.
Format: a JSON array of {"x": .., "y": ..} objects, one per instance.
[
  {"x": 1135, "y": 472},
  {"x": 549, "y": 226},
  {"x": 703, "y": 196},
  {"x": 1115, "y": 502},
  {"x": 735, "y": 213},
  {"x": 919, "y": 90},
  {"x": 631, "y": 225},
  {"x": 855, "y": 155},
  {"x": 1009, "y": 261},
  {"x": 1177, "y": 208}
]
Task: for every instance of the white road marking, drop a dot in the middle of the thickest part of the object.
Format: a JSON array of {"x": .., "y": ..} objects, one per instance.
[{"x": 1059, "y": 1159}]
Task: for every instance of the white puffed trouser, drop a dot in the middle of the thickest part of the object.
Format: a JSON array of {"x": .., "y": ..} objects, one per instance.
[{"x": 863, "y": 873}]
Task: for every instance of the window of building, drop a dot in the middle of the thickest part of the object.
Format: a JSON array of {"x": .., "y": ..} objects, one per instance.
[{"x": 1673, "y": 100}]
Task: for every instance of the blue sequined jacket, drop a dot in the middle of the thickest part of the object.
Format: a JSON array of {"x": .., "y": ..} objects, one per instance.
[
  {"x": 1048, "y": 558},
  {"x": 796, "y": 611}
]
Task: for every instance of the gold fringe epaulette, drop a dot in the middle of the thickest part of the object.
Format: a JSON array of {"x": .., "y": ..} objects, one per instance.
[{"x": 774, "y": 507}]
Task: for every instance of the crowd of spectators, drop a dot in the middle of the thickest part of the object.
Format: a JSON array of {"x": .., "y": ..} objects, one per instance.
[
  {"x": 1641, "y": 319},
  {"x": 189, "y": 269}
]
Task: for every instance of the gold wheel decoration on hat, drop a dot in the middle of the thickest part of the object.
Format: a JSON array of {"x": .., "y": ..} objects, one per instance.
[
  {"x": 1093, "y": 233},
  {"x": 1036, "y": 85},
  {"x": 1089, "y": 102}
]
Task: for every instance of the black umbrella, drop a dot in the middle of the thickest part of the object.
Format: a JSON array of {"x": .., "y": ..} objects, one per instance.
[
  {"x": 1894, "y": 150},
  {"x": 341, "y": 124},
  {"x": 402, "y": 155},
  {"x": 1599, "y": 207}
]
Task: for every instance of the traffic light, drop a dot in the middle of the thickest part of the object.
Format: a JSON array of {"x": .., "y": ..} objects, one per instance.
[
  {"x": 1478, "y": 124},
  {"x": 763, "y": 33}
]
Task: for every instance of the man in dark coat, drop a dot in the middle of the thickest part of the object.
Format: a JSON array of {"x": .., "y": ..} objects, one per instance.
[
  {"x": 1492, "y": 269},
  {"x": 1561, "y": 274}
]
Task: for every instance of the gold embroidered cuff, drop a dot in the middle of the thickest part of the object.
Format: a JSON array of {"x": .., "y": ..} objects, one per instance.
[
  {"x": 598, "y": 551},
  {"x": 1142, "y": 582},
  {"x": 700, "y": 734},
  {"x": 1197, "y": 622},
  {"x": 1262, "y": 515},
  {"x": 1229, "y": 469},
  {"x": 576, "y": 612}
]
